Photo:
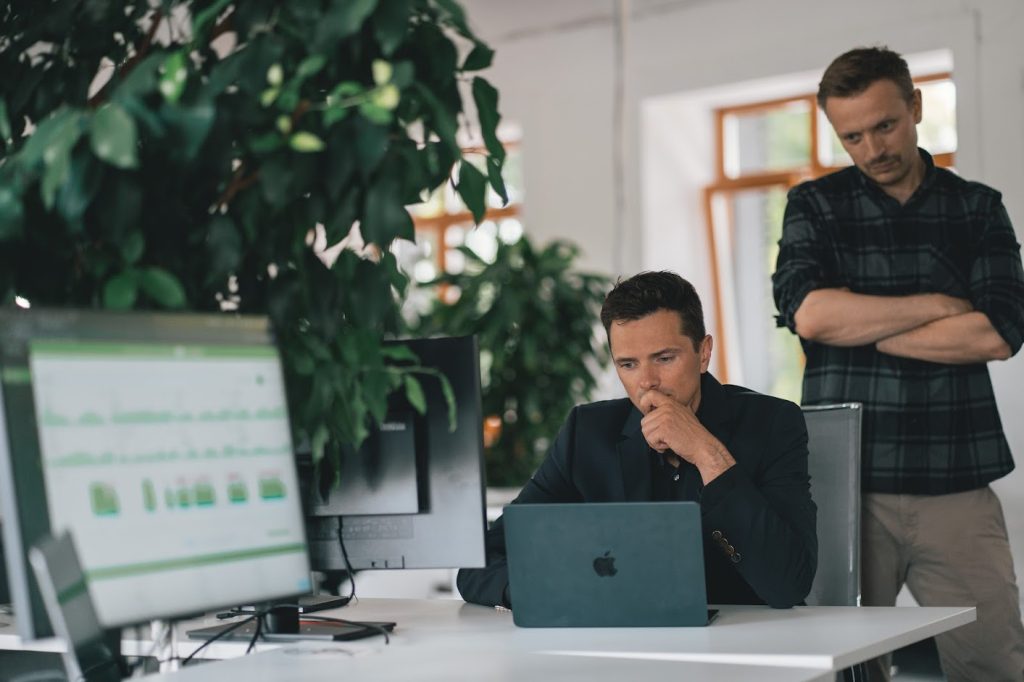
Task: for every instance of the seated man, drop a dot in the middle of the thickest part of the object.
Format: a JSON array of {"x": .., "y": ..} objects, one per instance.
[{"x": 679, "y": 436}]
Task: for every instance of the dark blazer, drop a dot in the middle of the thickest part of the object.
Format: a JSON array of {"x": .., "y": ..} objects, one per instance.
[{"x": 760, "y": 545}]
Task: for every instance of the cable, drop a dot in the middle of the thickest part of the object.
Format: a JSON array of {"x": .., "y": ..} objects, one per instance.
[
  {"x": 257, "y": 631},
  {"x": 348, "y": 564},
  {"x": 84, "y": 677}
]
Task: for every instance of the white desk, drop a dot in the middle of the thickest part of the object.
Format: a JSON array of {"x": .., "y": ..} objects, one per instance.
[{"x": 439, "y": 639}]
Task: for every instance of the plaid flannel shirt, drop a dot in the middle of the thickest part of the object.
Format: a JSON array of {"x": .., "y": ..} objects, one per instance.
[{"x": 928, "y": 428}]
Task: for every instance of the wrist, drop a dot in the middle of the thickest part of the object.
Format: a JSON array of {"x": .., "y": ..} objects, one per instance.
[{"x": 714, "y": 462}]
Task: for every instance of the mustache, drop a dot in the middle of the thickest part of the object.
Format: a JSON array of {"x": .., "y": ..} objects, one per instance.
[{"x": 883, "y": 160}]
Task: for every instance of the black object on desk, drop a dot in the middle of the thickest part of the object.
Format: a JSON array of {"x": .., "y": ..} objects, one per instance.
[{"x": 283, "y": 623}]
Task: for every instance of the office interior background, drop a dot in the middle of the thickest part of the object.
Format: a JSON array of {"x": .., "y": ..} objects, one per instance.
[
  {"x": 631, "y": 134},
  {"x": 611, "y": 106}
]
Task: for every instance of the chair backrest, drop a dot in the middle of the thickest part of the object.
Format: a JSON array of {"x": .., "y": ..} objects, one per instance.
[{"x": 834, "y": 443}]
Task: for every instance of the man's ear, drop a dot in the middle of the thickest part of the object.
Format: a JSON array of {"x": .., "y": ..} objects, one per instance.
[
  {"x": 915, "y": 105},
  {"x": 705, "y": 353}
]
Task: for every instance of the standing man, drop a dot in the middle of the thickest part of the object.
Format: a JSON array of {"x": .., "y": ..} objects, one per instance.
[{"x": 902, "y": 280}]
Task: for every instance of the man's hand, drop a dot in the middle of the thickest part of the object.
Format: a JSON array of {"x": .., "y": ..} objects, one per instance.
[{"x": 671, "y": 425}]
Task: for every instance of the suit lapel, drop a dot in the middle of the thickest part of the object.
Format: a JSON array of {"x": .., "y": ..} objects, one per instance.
[
  {"x": 634, "y": 458},
  {"x": 714, "y": 411}
]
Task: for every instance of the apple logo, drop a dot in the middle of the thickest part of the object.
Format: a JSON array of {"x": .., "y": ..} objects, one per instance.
[{"x": 604, "y": 565}]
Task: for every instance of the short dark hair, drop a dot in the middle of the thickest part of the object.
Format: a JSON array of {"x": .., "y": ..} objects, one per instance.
[
  {"x": 649, "y": 292},
  {"x": 851, "y": 73}
]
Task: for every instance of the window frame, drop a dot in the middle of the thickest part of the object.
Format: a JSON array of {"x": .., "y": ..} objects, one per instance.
[{"x": 785, "y": 178}]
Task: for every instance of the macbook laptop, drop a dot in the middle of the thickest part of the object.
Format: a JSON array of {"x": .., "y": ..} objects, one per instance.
[{"x": 628, "y": 564}]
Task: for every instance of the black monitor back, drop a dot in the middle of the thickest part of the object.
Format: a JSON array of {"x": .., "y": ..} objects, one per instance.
[{"x": 412, "y": 509}]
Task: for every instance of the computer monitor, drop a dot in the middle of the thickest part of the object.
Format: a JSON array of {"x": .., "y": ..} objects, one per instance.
[
  {"x": 413, "y": 497},
  {"x": 162, "y": 442}
]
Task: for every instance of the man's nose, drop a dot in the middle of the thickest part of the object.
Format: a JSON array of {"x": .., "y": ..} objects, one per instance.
[
  {"x": 874, "y": 147},
  {"x": 649, "y": 379}
]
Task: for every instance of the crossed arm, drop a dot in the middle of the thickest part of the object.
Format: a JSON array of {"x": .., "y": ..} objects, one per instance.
[{"x": 932, "y": 327}]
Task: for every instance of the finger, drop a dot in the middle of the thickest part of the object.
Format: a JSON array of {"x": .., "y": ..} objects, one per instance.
[{"x": 653, "y": 399}]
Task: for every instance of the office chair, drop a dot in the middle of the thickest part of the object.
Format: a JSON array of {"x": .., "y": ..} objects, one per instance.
[{"x": 833, "y": 433}]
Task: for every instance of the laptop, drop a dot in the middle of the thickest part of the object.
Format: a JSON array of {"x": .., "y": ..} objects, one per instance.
[{"x": 620, "y": 564}]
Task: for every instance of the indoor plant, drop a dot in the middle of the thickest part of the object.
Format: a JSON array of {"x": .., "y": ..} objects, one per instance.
[
  {"x": 535, "y": 315},
  {"x": 201, "y": 155}
]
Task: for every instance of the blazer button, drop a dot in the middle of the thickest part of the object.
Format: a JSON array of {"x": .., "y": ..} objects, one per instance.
[
  {"x": 716, "y": 534},
  {"x": 735, "y": 558},
  {"x": 730, "y": 550}
]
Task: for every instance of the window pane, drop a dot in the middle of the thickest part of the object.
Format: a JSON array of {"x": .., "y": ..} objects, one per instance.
[
  {"x": 770, "y": 358},
  {"x": 937, "y": 130},
  {"x": 432, "y": 207},
  {"x": 767, "y": 140},
  {"x": 830, "y": 149}
]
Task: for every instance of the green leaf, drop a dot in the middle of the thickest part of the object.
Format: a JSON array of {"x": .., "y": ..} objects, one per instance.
[
  {"x": 472, "y": 188},
  {"x": 318, "y": 442},
  {"x": 390, "y": 24},
  {"x": 132, "y": 247},
  {"x": 443, "y": 121},
  {"x": 113, "y": 136},
  {"x": 371, "y": 144},
  {"x": 495, "y": 178},
  {"x": 479, "y": 58},
  {"x": 275, "y": 75},
  {"x": 12, "y": 213},
  {"x": 311, "y": 66},
  {"x": 334, "y": 114},
  {"x": 175, "y": 75},
  {"x": 207, "y": 16},
  {"x": 305, "y": 142},
  {"x": 194, "y": 124},
  {"x": 120, "y": 291},
  {"x": 385, "y": 217},
  {"x": 381, "y": 70},
  {"x": 5, "y": 122},
  {"x": 223, "y": 248},
  {"x": 302, "y": 364},
  {"x": 163, "y": 287},
  {"x": 345, "y": 89},
  {"x": 386, "y": 97},
  {"x": 414, "y": 394},
  {"x": 449, "y": 399},
  {"x": 486, "y": 99},
  {"x": 51, "y": 143},
  {"x": 374, "y": 113},
  {"x": 141, "y": 80},
  {"x": 344, "y": 18},
  {"x": 398, "y": 353},
  {"x": 76, "y": 193},
  {"x": 456, "y": 16},
  {"x": 266, "y": 143},
  {"x": 269, "y": 96}
]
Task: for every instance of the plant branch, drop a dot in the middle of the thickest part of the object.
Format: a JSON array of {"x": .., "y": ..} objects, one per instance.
[
  {"x": 239, "y": 182},
  {"x": 130, "y": 63}
]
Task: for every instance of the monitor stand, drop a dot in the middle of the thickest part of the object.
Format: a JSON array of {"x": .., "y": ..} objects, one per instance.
[{"x": 283, "y": 623}]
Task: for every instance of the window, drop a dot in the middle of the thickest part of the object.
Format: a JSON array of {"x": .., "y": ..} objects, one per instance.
[{"x": 764, "y": 148}]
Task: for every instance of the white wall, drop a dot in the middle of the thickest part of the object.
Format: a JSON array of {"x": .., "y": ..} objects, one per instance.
[{"x": 554, "y": 70}]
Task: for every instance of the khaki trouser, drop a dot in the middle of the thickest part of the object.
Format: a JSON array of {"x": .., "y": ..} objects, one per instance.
[{"x": 950, "y": 550}]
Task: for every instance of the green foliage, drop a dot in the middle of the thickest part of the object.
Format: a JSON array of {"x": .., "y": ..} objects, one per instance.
[
  {"x": 195, "y": 179},
  {"x": 535, "y": 317}
]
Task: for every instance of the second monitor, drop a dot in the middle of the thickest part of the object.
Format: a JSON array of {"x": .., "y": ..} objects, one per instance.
[{"x": 413, "y": 497}]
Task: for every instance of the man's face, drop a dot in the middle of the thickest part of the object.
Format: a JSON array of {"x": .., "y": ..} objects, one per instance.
[
  {"x": 653, "y": 354},
  {"x": 878, "y": 130}
]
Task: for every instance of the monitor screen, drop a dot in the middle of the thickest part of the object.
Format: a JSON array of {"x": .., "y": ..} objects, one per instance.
[
  {"x": 162, "y": 443},
  {"x": 413, "y": 496}
]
